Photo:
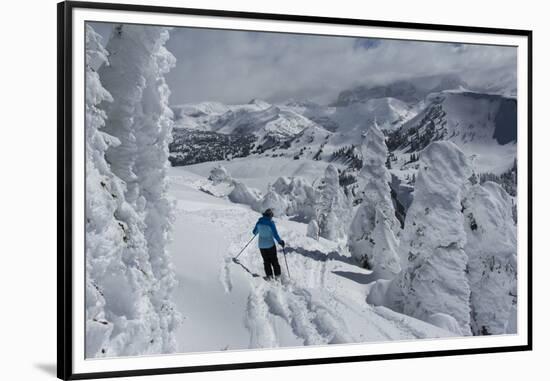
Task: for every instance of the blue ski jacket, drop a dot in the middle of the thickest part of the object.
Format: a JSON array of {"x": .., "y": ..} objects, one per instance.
[{"x": 267, "y": 233}]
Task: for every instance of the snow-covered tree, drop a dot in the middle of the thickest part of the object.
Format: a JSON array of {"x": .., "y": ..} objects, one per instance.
[
  {"x": 104, "y": 195},
  {"x": 374, "y": 228},
  {"x": 241, "y": 194},
  {"x": 219, "y": 174},
  {"x": 153, "y": 136},
  {"x": 385, "y": 261},
  {"x": 334, "y": 208},
  {"x": 274, "y": 201},
  {"x": 434, "y": 263},
  {"x": 491, "y": 247},
  {"x": 313, "y": 230},
  {"x": 301, "y": 198},
  {"x": 135, "y": 278}
]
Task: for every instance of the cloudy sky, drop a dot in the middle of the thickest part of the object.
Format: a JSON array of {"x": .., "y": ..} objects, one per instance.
[{"x": 234, "y": 66}]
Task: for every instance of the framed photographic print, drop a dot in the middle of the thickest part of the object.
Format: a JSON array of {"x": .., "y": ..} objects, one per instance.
[{"x": 243, "y": 190}]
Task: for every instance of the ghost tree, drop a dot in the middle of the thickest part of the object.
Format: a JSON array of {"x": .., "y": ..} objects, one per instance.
[
  {"x": 301, "y": 198},
  {"x": 219, "y": 175},
  {"x": 333, "y": 208},
  {"x": 491, "y": 247},
  {"x": 432, "y": 249},
  {"x": 104, "y": 195},
  {"x": 241, "y": 194},
  {"x": 274, "y": 201},
  {"x": 139, "y": 279},
  {"x": 374, "y": 229}
]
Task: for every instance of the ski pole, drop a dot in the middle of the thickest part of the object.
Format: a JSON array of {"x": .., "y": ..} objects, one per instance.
[
  {"x": 245, "y": 246},
  {"x": 286, "y": 263}
]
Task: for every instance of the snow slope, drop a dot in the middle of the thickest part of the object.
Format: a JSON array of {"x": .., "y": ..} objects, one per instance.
[
  {"x": 272, "y": 125},
  {"x": 264, "y": 171},
  {"x": 224, "y": 307},
  {"x": 414, "y": 113},
  {"x": 198, "y": 116}
]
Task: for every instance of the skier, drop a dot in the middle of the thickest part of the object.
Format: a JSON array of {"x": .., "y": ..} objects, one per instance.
[{"x": 267, "y": 233}]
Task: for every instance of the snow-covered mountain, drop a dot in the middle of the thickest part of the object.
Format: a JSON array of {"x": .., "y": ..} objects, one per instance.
[
  {"x": 412, "y": 113},
  {"x": 272, "y": 125},
  {"x": 355, "y": 119},
  {"x": 390, "y": 113},
  {"x": 274, "y": 122},
  {"x": 295, "y": 129},
  {"x": 468, "y": 117},
  {"x": 409, "y": 91},
  {"x": 204, "y": 115},
  {"x": 198, "y": 116},
  {"x": 482, "y": 125}
]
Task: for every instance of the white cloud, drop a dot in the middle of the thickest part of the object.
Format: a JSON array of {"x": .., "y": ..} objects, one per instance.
[{"x": 234, "y": 66}]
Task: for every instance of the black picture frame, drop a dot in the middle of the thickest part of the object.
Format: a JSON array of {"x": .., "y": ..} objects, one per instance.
[{"x": 65, "y": 186}]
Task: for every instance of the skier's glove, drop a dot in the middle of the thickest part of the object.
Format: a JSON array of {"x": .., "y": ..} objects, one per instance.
[{"x": 282, "y": 243}]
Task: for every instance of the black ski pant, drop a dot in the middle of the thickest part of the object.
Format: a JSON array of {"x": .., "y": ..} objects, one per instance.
[{"x": 271, "y": 263}]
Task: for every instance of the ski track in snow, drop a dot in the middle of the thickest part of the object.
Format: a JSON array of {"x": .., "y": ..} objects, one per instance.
[
  {"x": 314, "y": 307},
  {"x": 310, "y": 319}
]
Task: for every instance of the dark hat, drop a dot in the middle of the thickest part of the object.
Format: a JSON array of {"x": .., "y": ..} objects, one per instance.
[{"x": 268, "y": 213}]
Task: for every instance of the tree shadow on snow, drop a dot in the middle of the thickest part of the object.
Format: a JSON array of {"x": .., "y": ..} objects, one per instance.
[
  {"x": 356, "y": 277},
  {"x": 320, "y": 256}
]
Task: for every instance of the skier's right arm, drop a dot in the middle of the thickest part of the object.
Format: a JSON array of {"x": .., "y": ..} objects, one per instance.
[{"x": 255, "y": 231}]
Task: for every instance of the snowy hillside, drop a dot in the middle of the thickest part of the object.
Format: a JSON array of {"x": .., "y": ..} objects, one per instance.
[
  {"x": 322, "y": 302},
  {"x": 378, "y": 189},
  {"x": 265, "y": 171},
  {"x": 272, "y": 125},
  {"x": 469, "y": 117},
  {"x": 482, "y": 125},
  {"x": 199, "y": 116}
]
